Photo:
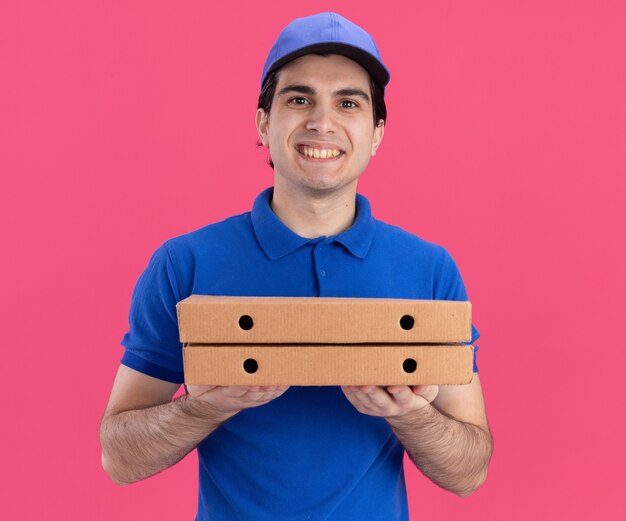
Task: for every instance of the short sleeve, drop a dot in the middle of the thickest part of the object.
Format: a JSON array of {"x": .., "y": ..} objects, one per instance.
[
  {"x": 449, "y": 286},
  {"x": 152, "y": 344}
]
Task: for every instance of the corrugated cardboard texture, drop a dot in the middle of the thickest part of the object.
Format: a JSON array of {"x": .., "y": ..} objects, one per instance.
[
  {"x": 206, "y": 319},
  {"x": 328, "y": 364}
]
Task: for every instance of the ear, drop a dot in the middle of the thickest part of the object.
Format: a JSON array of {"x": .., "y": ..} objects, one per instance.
[
  {"x": 379, "y": 132},
  {"x": 262, "y": 126}
]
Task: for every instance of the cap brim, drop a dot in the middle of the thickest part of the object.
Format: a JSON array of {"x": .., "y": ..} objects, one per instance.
[{"x": 375, "y": 68}]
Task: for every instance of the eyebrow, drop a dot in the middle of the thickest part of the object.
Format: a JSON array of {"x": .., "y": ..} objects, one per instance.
[
  {"x": 352, "y": 92},
  {"x": 302, "y": 89},
  {"x": 305, "y": 89}
]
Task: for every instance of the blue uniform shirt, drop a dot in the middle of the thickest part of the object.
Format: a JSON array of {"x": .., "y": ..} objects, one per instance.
[{"x": 308, "y": 454}]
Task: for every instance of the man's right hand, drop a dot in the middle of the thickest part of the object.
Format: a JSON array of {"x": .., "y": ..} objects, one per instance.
[
  {"x": 141, "y": 414},
  {"x": 229, "y": 400}
]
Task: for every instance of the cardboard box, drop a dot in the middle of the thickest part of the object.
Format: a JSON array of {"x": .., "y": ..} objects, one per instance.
[
  {"x": 391, "y": 364},
  {"x": 204, "y": 319},
  {"x": 324, "y": 341}
]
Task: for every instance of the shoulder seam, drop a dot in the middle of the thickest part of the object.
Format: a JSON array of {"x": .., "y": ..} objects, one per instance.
[{"x": 172, "y": 258}]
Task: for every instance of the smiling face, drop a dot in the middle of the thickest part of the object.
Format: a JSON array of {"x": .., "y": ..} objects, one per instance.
[{"x": 320, "y": 129}]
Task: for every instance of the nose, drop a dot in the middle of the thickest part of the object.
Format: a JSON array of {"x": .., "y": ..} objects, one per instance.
[{"x": 321, "y": 119}]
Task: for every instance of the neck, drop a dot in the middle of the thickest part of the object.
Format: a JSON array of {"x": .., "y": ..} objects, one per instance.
[{"x": 311, "y": 216}]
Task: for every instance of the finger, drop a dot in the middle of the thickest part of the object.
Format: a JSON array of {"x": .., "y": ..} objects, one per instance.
[
  {"x": 274, "y": 394},
  {"x": 266, "y": 388},
  {"x": 281, "y": 388},
  {"x": 234, "y": 391},
  {"x": 428, "y": 392},
  {"x": 351, "y": 390},
  {"x": 199, "y": 390},
  {"x": 261, "y": 396},
  {"x": 350, "y": 395},
  {"x": 374, "y": 401},
  {"x": 238, "y": 391},
  {"x": 403, "y": 395},
  {"x": 380, "y": 397},
  {"x": 358, "y": 399},
  {"x": 359, "y": 388},
  {"x": 253, "y": 396}
]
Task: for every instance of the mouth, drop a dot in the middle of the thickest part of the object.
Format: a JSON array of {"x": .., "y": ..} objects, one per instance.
[{"x": 318, "y": 153}]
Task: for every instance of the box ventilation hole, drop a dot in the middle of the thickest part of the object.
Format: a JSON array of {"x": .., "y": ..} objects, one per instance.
[
  {"x": 407, "y": 322},
  {"x": 246, "y": 322},
  {"x": 250, "y": 365},
  {"x": 409, "y": 365}
]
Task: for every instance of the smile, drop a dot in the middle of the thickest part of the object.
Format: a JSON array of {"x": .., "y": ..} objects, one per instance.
[{"x": 318, "y": 153}]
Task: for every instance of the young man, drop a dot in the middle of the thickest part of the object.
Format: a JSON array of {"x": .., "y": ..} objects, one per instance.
[{"x": 280, "y": 453}]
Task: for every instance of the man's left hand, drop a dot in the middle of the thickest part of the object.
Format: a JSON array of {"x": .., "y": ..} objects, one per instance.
[{"x": 393, "y": 401}]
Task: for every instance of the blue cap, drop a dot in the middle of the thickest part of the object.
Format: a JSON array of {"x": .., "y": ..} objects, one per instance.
[{"x": 326, "y": 33}]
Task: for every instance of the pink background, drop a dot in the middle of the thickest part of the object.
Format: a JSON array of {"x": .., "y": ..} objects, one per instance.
[{"x": 123, "y": 125}]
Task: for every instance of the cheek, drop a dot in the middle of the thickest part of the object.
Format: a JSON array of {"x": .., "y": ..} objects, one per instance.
[
  {"x": 279, "y": 135},
  {"x": 366, "y": 144}
]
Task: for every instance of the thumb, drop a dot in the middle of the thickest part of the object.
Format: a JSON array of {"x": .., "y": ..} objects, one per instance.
[{"x": 428, "y": 392}]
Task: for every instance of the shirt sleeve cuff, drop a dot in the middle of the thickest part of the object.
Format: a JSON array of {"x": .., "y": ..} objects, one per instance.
[
  {"x": 144, "y": 366},
  {"x": 476, "y": 348}
]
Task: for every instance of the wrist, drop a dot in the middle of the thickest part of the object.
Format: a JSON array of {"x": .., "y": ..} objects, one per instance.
[
  {"x": 414, "y": 418},
  {"x": 200, "y": 409}
]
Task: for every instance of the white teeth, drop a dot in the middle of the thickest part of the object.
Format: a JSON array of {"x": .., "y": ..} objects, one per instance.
[{"x": 324, "y": 153}]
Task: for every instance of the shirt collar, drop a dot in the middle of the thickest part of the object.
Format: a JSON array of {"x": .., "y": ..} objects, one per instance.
[
  {"x": 277, "y": 240},
  {"x": 358, "y": 238}
]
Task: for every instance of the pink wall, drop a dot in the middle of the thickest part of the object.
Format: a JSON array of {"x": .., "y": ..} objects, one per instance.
[{"x": 123, "y": 125}]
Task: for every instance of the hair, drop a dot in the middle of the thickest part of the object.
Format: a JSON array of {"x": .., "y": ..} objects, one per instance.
[{"x": 269, "y": 88}]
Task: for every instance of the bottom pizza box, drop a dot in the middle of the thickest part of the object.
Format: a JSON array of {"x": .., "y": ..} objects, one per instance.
[{"x": 324, "y": 364}]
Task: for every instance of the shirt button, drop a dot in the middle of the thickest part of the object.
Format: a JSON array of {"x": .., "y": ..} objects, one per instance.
[{"x": 323, "y": 273}]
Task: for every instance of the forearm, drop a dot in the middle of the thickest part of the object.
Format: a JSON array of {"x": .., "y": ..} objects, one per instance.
[
  {"x": 139, "y": 443},
  {"x": 453, "y": 454}
]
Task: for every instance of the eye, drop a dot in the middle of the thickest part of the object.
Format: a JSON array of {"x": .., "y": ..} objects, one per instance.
[
  {"x": 298, "y": 100},
  {"x": 349, "y": 104}
]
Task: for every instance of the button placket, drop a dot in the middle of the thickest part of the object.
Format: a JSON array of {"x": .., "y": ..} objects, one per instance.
[{"x": 319, "y": 260}]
